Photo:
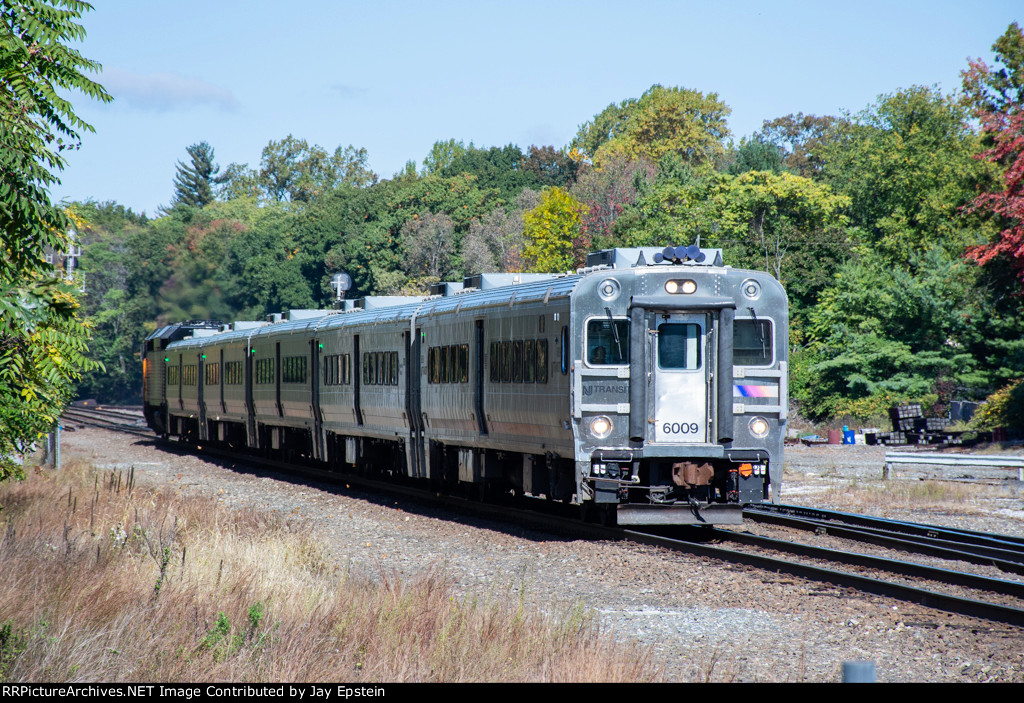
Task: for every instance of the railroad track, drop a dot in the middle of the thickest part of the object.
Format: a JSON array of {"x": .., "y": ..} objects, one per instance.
[
  {"x": 109, "y": 419},
  {"x": 977, "y": 604},
  {"x": 756, "y": 552},
  {"x": 1005, "y": 552}
]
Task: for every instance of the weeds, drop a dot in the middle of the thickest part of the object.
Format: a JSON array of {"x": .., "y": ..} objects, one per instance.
[
  {"x": 92, "y": 595},
  {"x": 861, "y": 494},
  {"x": 12, "y": 644}
]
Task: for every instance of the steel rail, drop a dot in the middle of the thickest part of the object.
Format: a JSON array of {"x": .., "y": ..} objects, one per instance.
[
  {"x": 87, "y": 417},
  {"x": 917, "y": 546},
  {"x": 903, "y": 568},
  {"x": 931, "y": 599},
  {"x": 121, "y": 413},
  {"x": 911, "y": 528}
]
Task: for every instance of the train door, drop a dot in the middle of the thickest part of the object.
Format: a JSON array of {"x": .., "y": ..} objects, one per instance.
[
  {"x": 277, "y": 378},
  {"x": 357, "y": 379},
  {"x": 478, "y": 378},
  {"x": 252, "y": 437},
  {"x": 679, "y": 363},
  {"x": 414, "y": 448},
  {"x": 220, "y": 378},
  {"x": 314, "y": 396},
  {"x": 201, "y": 395}
]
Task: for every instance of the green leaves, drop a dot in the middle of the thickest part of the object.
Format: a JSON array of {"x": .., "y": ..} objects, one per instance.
[
  {"x": 908, "y": 165},
  {"x": 553, "y": 233},
  {"x": 662, "y": 121},
  {"x": 881, "y": 329},
  {"x": 42, "y": 338}
]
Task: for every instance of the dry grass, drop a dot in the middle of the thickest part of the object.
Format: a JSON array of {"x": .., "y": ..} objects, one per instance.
[
  {"x": 106, "y": 581},
  {"x": 926, "y": 495}
]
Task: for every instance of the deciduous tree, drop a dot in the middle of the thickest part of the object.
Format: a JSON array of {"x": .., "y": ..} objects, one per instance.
[
  {"x": 292, "y": 170},
  {"x": 428, "y": 241},
  {"x": 42, "y": 337},
  {"x": 442, "y": 155},
  {"x": 555, "y": 240},
  {"x": 607, "y": 190},
  {"x": 997, "y": 95},
  {"x": 495, "y": 241},
  {"x": 800, "y": 137},
  {"x": 664, "y": 120},
  {"x": 907, "y": 164}
]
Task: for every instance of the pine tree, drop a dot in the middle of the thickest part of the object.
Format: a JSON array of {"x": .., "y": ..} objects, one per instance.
[{"x": 194, "y": 184}]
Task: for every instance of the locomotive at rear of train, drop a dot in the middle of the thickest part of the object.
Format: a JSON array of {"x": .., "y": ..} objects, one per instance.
[{"x": 649, "y": 388}]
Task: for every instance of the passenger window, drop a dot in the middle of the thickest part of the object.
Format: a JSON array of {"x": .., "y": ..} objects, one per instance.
[
  {"x": 506, "y": 362},
  {"x": 542, "y": 361},
  {"x": 530, "y": 362},
  {"x": 607, "y": 343}
]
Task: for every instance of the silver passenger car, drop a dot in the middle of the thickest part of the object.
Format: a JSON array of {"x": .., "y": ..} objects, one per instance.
[{"x": 649, "y": 387}]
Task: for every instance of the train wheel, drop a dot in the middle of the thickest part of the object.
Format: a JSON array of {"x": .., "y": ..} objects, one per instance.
[
  {"x": 604, "y": 514},
  {"x": 607, "y": 515}
]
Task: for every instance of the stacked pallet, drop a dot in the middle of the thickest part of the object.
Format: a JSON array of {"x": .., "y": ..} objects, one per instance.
[{"x": 910, "y": 426}]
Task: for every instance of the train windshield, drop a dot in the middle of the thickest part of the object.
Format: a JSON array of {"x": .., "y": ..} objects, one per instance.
[
  {"x": 752, "y": 342},
  {"x": 607, "y": 345}
]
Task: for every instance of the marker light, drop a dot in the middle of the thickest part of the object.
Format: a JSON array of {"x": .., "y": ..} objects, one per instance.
[
  {"x": 609, "y": 289},
  {"x": 751, "y": 289},
  {"x": 686, "y": 287}
]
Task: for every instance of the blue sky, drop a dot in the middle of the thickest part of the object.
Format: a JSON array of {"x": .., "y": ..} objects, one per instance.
[{"x": 394, "y": 77}]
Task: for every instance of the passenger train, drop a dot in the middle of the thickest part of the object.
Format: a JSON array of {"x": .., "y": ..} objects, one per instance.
[{"x": 649, "y": 387}]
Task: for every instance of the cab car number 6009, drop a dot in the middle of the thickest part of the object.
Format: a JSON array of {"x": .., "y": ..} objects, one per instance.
[{"x": 680, "y": 428}]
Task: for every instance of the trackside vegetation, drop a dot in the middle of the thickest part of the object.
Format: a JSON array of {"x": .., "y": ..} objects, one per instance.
[
  {"x": 108, "y": 580},
  {"x": 43, "y": 331}
]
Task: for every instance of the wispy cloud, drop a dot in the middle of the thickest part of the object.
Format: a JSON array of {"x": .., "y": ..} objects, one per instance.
[
  {"x": 347, "y": 91},
  {"x": 164, "y": 92}
]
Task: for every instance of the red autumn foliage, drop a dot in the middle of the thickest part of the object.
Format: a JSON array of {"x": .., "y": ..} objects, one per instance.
[{"x": 1007, "y": 133}]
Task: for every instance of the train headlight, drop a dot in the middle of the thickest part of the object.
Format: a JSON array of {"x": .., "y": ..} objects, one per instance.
[
  {"x": 758, "y": 427},
  {"x": 601, "y": 426},
  {"x": 675, "y": 287}
]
